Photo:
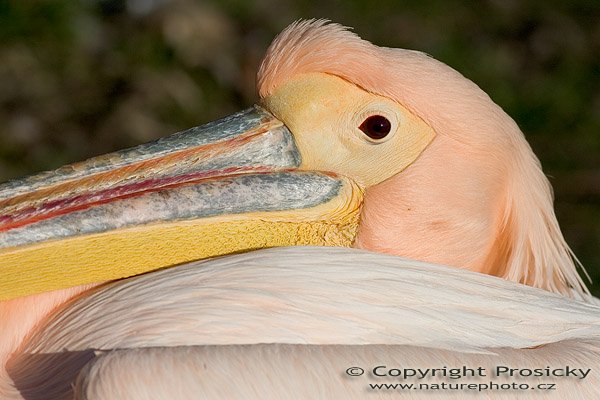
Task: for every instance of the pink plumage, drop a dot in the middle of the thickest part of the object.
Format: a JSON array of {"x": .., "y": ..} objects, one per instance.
[{"x": 476, "y": 198}]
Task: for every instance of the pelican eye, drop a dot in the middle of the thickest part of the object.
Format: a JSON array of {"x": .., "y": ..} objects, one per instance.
[{"x": 376, "y": 127}]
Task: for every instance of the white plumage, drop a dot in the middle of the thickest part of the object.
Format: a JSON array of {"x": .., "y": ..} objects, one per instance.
[{"x": 314, "y": 310}]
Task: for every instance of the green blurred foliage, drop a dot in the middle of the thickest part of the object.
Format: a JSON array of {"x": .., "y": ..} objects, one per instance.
[{"x": 80, "y": 78}]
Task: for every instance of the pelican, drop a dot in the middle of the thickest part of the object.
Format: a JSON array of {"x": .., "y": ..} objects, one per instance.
[{"x": 374, "y": 220}]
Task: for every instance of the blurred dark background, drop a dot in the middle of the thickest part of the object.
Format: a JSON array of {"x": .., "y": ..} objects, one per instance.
[{"x": 81, "y": 78}]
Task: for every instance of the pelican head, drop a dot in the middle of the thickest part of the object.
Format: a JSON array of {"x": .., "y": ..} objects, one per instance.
[{"x": 350, "y": 144}]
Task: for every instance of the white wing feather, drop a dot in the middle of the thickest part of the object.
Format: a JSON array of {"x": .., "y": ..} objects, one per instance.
[{"x": 312, "y": 296}]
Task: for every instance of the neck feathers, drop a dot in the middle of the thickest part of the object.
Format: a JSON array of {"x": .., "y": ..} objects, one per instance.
[{"x": 487, "y": 212}]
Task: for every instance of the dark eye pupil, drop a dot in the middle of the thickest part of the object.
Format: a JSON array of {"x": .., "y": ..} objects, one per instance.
[{"x": 376, "y": 127}]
